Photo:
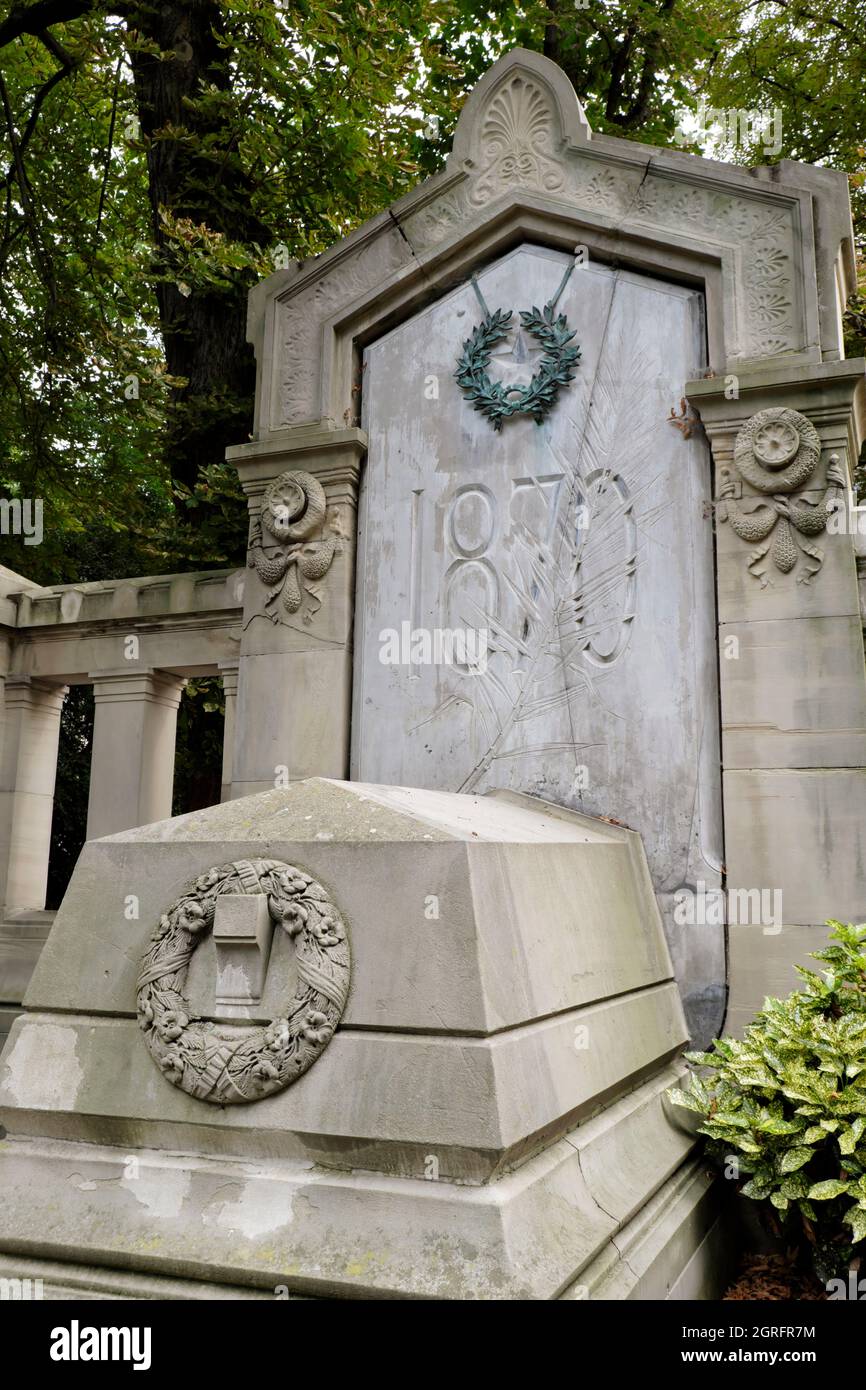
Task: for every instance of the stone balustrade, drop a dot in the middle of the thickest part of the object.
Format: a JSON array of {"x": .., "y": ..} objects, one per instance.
[{"x": 135, "y": 641}]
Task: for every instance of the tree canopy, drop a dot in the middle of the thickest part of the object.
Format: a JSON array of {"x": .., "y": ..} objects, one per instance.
[{"x": 159, "y": 157}]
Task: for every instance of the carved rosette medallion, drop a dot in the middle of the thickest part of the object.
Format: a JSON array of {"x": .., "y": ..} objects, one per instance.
[
  {"x": 300, "y": 548},
  {"x": 776, "y": 453},
  {"x": 234, "y": 1063}
]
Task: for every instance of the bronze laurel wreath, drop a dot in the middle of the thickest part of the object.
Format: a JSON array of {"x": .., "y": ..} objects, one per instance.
[{"x": 498, "y": 402}]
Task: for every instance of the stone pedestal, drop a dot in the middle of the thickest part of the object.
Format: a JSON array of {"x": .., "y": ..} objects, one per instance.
[
  {"x": 296, "y": 655},
  {"x": 482, "y": 1117},
  {"x": 132, "y": 767},
  {"x": 792, "y": 681}
]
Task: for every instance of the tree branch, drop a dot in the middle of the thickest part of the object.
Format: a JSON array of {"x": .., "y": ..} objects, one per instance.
[
  {"x": 19, "y": 145},
  {"x": 111, "y": 126},
  {"x": 35, "y": 19}
]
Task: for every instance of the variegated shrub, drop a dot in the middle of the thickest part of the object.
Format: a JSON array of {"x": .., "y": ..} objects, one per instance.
[{"x": 784, "y": 1109}]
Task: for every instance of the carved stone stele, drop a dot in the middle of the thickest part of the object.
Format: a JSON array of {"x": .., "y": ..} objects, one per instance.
[{"x": 231, "y": 1064}]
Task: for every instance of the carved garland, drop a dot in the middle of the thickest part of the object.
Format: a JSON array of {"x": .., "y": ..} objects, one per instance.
[
  {"x": 776, "y": 452},
  {"x": 294, "y": 511},
  {"x": 230, "y": 1064}
]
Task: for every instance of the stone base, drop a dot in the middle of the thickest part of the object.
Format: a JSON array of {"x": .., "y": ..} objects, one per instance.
[
  {"x": 487, "y": 1122},
  {"x": 609, "y": 1212},
  {"x": 22, "y": 936},
  {"x": 648, "y": 1259}
]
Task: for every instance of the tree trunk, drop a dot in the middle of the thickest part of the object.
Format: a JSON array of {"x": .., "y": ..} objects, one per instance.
[{"x": 194, "y": 172}]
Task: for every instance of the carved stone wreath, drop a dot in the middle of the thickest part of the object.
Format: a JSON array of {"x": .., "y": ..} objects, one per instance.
[
  {"x": 497, "y": 402},
  {"x": 294, "y": 514},
  {"x": 230, "y": 1064},
  {"x": 776, "y": 452}
]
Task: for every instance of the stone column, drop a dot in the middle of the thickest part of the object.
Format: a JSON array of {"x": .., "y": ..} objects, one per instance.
[
  {"x": 28, "y": 768},
  {"x": 132, "y": 767},
  {"x": 295, "y": 674},
  {"x": 229, "y": 674},
  {"x": 792, "y": 680}
]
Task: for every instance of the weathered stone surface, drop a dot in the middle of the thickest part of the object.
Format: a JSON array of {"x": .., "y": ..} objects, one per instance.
[
  {"x": 537, "y": 901},
  {"x": 800, "y": 831},
  {"x": 794, "y": 693},
  {"x": 486, "y": 1117},
  {"x": 774, "y": 279},
  {"x": 581, "y": 552},
  {"x": 267, "y": 1225}
]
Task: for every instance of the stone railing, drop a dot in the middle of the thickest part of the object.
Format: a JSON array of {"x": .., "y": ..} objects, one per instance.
[{"x": 135, "y": 641}]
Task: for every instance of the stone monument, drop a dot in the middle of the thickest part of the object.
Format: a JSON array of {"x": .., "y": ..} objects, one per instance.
[{"x": 549, "y": 551}]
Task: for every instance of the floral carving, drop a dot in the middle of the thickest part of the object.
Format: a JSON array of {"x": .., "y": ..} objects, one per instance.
[
  {"x": 517, "y": 142},
  {"x": 776, "y": 452},
  {"x": 294, "y": 514},
  {"x": 760, "y": 239},
  {"x": 604, "y": 191},
  {"x": 300, "y": 316},
  {"x": 232, "y": 1064}
]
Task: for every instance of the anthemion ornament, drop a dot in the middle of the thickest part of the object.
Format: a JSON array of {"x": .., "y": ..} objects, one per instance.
[
  {"x": 776, "y": 453},
  {"x": 294, "y": 515},
  {"x": 551, "y": 331},
  {"x": 235, "y": 1062}
]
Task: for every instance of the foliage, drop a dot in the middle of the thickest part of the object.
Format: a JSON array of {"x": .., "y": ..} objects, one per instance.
[
  {"x": 139, "y": 206},
  {"x": 71, "y": 790},
  {"x": 198, "y": 755},
  {"x": 786, "y": 1106},
  {"x": 160, "y": 156}
]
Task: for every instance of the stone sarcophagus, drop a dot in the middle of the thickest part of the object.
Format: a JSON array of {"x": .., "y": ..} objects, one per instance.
[{"x": 449, "y": 1083}]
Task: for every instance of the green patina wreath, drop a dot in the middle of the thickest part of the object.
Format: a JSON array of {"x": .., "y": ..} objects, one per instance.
[{"x": 498, "y": 402}]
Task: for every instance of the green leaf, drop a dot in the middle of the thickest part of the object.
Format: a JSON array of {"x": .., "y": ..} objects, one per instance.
[
  {"x": 772, "y": 1125},
  {"x": 825, "y": 1191},
  {"x": 704, "y": 1058},
  {"x": 814, "y": 1135},
  {"x": 851, "y": 1137},
  {"x": 757, "y": 1188},
  {"x": 686, "y": 1100},
  {"x": 856, "y": 1219},
  {"x": 795, "y": 1187},
  {"x": 794, "y": 1159}
]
